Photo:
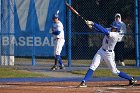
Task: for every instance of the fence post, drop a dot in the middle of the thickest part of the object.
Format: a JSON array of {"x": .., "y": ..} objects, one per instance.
[
  {"x": 6, "y": 31},
  {"x": 33, "y": 28},
  {"x": 69, "y": 36},
  {"x": 0, "y": 27},
  {"x": 137, "y": 33}
]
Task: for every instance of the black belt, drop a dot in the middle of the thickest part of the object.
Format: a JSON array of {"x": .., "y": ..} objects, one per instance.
[
  {"x": 56, "y": 38},
  {"x": 107, "y": 50}
]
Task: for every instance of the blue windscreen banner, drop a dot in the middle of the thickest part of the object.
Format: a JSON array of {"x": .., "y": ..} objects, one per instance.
[{"x": 32, "y": 26}]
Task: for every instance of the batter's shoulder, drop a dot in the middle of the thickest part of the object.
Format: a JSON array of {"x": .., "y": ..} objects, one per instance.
[{"x": 113, "y": 34}]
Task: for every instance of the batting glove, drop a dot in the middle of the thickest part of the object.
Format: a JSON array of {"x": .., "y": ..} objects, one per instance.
[{"x": 89, "y": 23}]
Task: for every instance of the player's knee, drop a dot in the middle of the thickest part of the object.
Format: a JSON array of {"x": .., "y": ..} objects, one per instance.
[
  {"x": 92, "y": 68},
  {"x": 57, "y": 53},
  {"x": 115, "y": 72}
]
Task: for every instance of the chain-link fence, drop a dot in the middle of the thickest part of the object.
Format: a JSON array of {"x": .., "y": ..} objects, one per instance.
[
  {"x": 22, "y": 22},
  {"x": 7, "y": 32},
  {"x": 85, "y": 42}
]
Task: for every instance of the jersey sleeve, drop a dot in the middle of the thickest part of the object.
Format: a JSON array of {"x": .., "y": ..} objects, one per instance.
[
  {"x": 58, "y": 29},
  {"x": 113, "y": 35},
  {"x": 101, "y": 29},
  {"x": 56, "y": 32}
]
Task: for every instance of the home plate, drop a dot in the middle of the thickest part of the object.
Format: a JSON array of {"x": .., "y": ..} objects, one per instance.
[
  {"x": 2, "y": 86},
  {"x": 116, "y": 88}
]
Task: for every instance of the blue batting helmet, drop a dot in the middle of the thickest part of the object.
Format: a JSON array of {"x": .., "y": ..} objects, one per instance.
[
  {"x": 117, "y": 26},
  {"x": 56, "y": 15}
]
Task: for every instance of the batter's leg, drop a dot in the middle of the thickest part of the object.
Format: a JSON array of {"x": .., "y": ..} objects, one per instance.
[
  {"x": 111, "y": 64},
  {"x": 95, "y": 63},
  {"x": 55, "y": 67},
  {"x": 125, "y": 76},
  {"x": 59, "y": 45},
  {"x": 60, "y": 62},
  {"x": 55, "y": 61}
]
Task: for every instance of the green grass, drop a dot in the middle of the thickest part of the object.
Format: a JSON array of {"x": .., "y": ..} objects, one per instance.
[
  {"x": 107, "y": 73},
  {"x": 14, "y": 73},
  {"x": 8, "y": 72}
]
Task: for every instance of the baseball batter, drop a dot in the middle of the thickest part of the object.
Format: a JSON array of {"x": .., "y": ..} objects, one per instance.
[
  {"x": 106, "y": 53},
  {"x": 58, "y": 34}
]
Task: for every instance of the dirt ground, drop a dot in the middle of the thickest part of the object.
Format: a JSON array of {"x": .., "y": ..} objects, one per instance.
[{"x": 69, "y": 87}]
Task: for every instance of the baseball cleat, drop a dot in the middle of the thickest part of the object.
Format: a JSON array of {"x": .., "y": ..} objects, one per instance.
[
  {"x": 62, "y": 67},
  {"x": 132, "y": 82},
  {"x": 82, "y": 85},
  {"x": 122, "y": 63},
  {"x": 54, "y": 68}
]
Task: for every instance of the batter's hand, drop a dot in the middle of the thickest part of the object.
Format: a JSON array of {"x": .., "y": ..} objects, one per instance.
[
  {"x": 89, "y": 23},
  {"x": 53, "y": 29}
]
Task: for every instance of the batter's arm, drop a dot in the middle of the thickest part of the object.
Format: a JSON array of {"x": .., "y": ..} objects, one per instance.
[
  {"x": 56, "y": 32},
  {"x": 97, "y": 27},
  {"x": 101, "y": 29}
]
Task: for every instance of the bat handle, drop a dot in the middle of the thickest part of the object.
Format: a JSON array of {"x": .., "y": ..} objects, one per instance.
[
  {"x": 83, "y": 19},
  {"x": 90, "y": 26}
]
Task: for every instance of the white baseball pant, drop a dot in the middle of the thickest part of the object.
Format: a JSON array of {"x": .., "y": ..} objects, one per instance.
[
  {"x": 59, "y": 43},
  {"x": 107, "y": 57}
]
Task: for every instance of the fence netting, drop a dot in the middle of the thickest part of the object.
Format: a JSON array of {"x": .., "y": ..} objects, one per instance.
[
  {"x": 86, "y": 42},
  {"x": 24, "y": 14}
]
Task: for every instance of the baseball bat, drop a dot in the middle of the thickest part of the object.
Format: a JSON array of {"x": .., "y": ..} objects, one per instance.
[{"x": 75, "y": 12}]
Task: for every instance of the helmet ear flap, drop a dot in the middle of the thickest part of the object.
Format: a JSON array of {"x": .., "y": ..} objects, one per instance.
[{"x": 117, "y": 26}]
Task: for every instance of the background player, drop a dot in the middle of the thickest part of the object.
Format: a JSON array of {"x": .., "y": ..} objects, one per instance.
[
  {"x": 106, "y": 53},
  {"x": 58, "y": 34},
  {"x": 119, "y": 48}
]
